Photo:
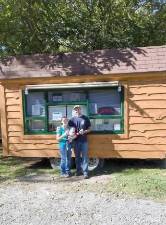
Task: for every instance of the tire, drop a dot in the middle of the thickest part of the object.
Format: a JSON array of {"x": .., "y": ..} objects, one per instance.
[
  {"x": 54, "y": 163},
  {"x": 163, "y": 163},
  {"x": 73, "y": 163},
  {"x": 95, "y": 164}
]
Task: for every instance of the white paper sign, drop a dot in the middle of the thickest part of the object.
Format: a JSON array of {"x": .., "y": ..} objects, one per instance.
[
  {"x": 116, "y": 126},
  {"x": 99, "y": 121},
  {"x": 36, "y": 110},
  {"x": 56, "y": 116}
]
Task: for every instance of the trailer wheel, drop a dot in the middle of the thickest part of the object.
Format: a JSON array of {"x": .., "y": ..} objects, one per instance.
[
  {"x": 95, "y": 163},
  {"x": 164, "y": 163},
  {"x": 54, "y": 162}
]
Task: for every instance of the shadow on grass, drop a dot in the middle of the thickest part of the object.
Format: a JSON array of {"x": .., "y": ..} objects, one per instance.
[
  {"x": 19, "y": 168},
  {"x": 127, "y": 166},
  {"x": 142, "y": 178},
  {"x": 30, "y": 169}
]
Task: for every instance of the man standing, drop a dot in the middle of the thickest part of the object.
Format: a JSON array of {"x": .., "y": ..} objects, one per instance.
[{"x": 82, "y": 125}]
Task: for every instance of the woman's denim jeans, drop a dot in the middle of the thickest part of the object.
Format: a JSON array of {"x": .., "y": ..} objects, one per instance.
[
  {"x": 81, "y": 157},
  {"x": 65, "y": 152}
]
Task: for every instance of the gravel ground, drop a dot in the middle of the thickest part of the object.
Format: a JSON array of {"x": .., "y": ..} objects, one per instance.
[{"x": 51, "y": 200}]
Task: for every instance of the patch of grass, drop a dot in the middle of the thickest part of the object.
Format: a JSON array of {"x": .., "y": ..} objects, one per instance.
[
  {"x": 138, "y": 178},
  {"x": 141, "y": 179},
  {"x": 13, "y": 167}
]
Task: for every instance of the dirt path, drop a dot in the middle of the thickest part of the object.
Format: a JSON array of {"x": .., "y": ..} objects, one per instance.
[{"x": 51, "y": 200}]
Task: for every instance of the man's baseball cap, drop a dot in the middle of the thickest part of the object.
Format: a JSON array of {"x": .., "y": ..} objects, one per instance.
[{"x": 77, "y": 107}]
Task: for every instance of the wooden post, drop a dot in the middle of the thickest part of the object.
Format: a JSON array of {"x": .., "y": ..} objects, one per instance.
[{"x": 4, "y": 134}]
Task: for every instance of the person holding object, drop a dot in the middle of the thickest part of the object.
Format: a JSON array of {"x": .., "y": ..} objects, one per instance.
[
  {"x": 82, "y": 125},
  {"x": 65, "y": 136}
]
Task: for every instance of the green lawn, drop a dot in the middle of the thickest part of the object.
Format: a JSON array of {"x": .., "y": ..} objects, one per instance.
[
  {"x": 13, "y": 167},
  {"x": 138, "y": 178}
]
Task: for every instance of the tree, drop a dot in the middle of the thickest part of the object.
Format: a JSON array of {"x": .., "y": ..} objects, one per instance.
[{"x": 47, "y": 26}]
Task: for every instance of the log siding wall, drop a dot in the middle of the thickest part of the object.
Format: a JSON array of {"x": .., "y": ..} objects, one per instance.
[{"x": 145, "y": 113}]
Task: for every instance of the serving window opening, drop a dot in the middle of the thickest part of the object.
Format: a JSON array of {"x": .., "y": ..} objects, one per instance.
[{"x": 43, "y": 109}]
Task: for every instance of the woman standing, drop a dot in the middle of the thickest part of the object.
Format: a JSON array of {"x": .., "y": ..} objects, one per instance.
[{"x": 65, "y": 137}]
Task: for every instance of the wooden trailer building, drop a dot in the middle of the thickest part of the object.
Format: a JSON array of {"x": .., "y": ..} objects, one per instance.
[{"x": 123, "y": 91}]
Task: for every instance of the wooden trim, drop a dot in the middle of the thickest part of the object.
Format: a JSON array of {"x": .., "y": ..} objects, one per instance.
[
  {"x": 45, "y": 153},
  {"x": 21, "y": 113},
  {"x": 128, "y": 154},
  {"x": 125, "y": 114},
  {"x": 87, "y": 78},
  {"x": 126, "y": 110},
  {"x": 110, "y": 154},
  {"x": 4, "y": 133},
  {"x": 38, "y": 137}
]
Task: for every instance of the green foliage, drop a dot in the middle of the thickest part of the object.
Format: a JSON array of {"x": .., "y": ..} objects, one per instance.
[{"x": 47, "y": 26}]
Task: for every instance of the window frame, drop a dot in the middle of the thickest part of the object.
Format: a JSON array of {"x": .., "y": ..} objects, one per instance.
[{"x": 86, "y": 103}]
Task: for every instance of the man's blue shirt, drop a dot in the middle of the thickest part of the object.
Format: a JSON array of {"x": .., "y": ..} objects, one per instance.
[{"x": 81, "y": 122}]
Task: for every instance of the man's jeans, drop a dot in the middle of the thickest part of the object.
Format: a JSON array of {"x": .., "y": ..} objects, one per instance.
[
  {"x": 81, "y": 157},
  {"x": 65, "y": 152}
]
